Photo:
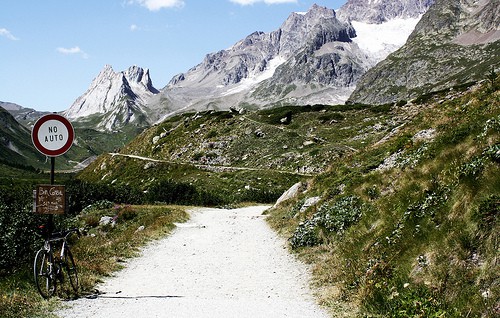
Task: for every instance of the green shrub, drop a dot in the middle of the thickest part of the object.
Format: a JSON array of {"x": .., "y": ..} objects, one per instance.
[
  {"x": 19, "y": 225},
  {"x": 306, "y": 234},
  {"x": 82, "y": 194},
  {"x": 212, "y": 134},
  {"x": 472, "y": 169},
  {"x": 328, "y": 117},
  {"x": 172, "y": 192},
  {"x": 372, "y": 192},
  {"x": 391, "y": 300},
  {"x": 99, "y": 205},
  {"x": 90, "y": 220},
  {"x": 328, "y": 220},
  {"x": 125, "y": 212},
  {"x": 259, "y": 195},
  {"x": 493, "y": 153},
  {"x": 197, "y": 156}
]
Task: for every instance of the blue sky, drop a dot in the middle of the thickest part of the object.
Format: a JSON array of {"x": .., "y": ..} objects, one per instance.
[{"x": 51, "y": 50}]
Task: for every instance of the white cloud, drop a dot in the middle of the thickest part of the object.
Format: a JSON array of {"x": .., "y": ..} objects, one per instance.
[
  {"x": 73, "y": 50},
  {"x": 134, "y": 27},
  {"x": 156, "y": 5},
  {"x": 6, "y": 33},
  {"x": 250, "y": 2}
]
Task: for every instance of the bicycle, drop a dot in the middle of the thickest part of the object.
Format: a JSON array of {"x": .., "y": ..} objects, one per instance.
[{"x": 48, "y": 265}]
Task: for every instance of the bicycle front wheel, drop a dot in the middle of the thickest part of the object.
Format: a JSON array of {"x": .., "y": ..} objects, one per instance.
[
  {"x": 70, "y": 266},
  {"x": 45, "y": 279}
]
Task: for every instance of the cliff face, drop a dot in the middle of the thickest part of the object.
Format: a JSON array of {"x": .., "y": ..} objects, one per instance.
[{"x": 379, "y": 11}]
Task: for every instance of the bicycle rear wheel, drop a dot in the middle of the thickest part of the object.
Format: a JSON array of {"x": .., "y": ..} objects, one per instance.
[
  {"x": 69, "y": 264},
  {"x": 45, "y": 279}
]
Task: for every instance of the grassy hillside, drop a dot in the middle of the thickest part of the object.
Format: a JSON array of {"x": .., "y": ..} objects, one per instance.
[
  {"x": 232, "y": 157},
  {"x": 408, "y": 225},
  {"x": 15, "y": 142}
]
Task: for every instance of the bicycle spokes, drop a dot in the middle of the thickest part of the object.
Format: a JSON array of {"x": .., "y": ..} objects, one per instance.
[
  {"x": 44, "y": 273},
  {"x": 71, "y": 270}
]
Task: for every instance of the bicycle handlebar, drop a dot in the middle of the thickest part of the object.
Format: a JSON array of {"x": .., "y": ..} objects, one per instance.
[{"x": 64, "y": 234}]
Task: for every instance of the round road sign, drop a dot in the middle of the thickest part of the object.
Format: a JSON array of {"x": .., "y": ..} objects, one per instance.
[{"x": 52, "y": 135}]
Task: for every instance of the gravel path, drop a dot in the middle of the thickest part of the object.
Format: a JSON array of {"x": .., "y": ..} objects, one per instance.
[{"x": 221, "y": 263}]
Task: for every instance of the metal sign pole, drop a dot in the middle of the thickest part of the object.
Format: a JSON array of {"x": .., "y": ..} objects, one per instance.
[
  {"x": 52, "y": 169},
  {"x": 50, "y": 222}
]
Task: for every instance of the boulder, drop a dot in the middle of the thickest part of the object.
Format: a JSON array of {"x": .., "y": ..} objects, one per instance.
[{"x": 290, "y": 193}]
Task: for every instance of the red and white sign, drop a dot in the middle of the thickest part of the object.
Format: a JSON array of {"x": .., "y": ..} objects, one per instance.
[{"x": 52, "y": 135}]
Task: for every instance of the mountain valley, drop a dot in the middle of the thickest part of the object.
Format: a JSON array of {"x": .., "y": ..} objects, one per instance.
[{"x": 373, "y": 130}]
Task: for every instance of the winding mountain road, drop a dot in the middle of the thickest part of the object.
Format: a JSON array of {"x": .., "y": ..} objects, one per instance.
[
  {"x": 208, "y": 167},
  {"x": 222, "y": 263}
]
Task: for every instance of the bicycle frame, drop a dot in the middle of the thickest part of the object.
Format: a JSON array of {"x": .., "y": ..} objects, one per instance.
[{"x": 48, "y": 266}]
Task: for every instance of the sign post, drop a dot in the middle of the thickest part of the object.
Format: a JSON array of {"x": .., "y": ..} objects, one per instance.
[{"x": 53, "y": 136}]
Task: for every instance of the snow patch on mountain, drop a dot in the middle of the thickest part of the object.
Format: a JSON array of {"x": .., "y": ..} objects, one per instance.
[
  {"x": 256, "y": 77},
  {"x": 379, "y": 40}
]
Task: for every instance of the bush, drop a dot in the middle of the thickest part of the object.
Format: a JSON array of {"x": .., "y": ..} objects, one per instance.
[
  {"x": 334, "y": 219},
  {"x": 82, "y": 194},
  {"x": 99, "y": 205},
  {"x": 306, "y": 234},
  {"x": 333, "y": 116},
  {"x": 171, "y": 192},
  {"x": 404, "y": 301},
  {"x": 19, "y": 225},
  {"x": 261, "y": 196},
  {"x": 125, "y": 212}
]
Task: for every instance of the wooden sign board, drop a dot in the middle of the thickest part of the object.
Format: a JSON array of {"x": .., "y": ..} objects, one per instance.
[{"x": 49, "y": 199}]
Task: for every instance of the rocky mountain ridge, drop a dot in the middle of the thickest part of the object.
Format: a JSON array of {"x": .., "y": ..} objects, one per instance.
[
  {"x": 15, "y": 139},
  {"x": 227, "y": 78},
  {"x": 115, "y": 99},
  {"x": 455, "y": 42},
  {"x": 380, "y": 11},
  {"x": 312, "y": 58},
  {"x": 23, "y": 115}
]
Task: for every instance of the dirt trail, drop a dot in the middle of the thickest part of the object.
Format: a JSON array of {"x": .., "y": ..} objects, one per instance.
[
  {"x": 210, "y": 166},
  {"x": 222, "y": 263}
]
